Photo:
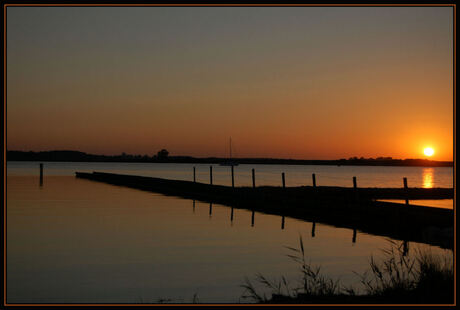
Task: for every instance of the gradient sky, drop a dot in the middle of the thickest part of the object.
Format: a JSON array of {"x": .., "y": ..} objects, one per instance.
[{"x": 289, "y": 82}]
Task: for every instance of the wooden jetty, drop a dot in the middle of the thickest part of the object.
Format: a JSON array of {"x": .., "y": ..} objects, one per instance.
[{"x": 353, "y": 207}]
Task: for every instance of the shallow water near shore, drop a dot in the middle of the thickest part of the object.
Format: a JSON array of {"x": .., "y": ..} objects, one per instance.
[{"x": 74, "y": 240}]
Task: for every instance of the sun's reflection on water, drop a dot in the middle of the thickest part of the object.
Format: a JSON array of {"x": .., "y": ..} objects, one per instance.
[{"x": 428, "y": 178}]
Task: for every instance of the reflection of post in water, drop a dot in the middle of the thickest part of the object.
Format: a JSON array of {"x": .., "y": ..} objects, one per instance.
[
  {"x": 354, "y": 236},
  {"x": 252, "y": 218},
  {"x": 210, "y": 209},
  {"x": 313, "y": 229},
  {"x": 282, "y": 222},
  {"x": 231, "y": 215},
  {"x": 193, "y": 206},
  {"x": 405, "y": 248}
]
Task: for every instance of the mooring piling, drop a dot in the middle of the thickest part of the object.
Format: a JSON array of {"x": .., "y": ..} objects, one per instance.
[
  {"x": 210, "y": 175},
  {"x": 284, "y": 180},
  {"x": 313, "y": 176},
  {"x": 41, "y": 173},
  {"x": 194, "y": 174},
  {"x": 253, "y": 178},
  {"x": 282, "y": 222},
  {"x": 313, "y": 228},
  {"x": 405, "y": 189},
  {"x": 353, "y": 240},
  {"x": 252, "y": 218},
  {"x": 233, "y": 177},
  {"x": 355, "y": 186}
]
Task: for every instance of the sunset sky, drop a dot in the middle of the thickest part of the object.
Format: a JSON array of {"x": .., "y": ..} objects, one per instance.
[{"x": 286, "y": 82}]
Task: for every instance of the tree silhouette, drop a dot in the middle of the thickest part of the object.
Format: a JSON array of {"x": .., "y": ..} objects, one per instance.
[{"x": 163, "y": 154}]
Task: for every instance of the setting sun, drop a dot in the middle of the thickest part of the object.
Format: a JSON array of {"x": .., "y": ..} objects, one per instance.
[{"x": 428, "y": 151}]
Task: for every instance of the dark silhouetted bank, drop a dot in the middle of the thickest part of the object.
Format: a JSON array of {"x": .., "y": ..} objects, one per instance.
[{"x": 163, "y": 157}]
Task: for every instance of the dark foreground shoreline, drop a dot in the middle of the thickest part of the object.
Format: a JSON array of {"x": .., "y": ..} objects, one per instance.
[{"x": 339, "y": 206}]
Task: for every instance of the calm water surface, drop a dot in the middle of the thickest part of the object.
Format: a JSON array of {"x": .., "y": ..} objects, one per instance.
[
  {"x": 74, "y": 240},
  {"x": 296, "y": 175}
]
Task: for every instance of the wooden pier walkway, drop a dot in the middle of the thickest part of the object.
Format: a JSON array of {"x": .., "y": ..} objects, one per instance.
[{"x": 353, "y": 208}]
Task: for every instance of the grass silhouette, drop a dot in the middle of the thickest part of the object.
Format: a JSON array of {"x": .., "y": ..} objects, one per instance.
[{"x": 398, "y": 278}]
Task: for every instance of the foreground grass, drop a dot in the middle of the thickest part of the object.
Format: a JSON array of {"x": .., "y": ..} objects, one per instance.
[{"x": 398, "y": 278}]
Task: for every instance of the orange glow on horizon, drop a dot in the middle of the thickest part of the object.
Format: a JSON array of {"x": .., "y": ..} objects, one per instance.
[{"x": 380, "y": 86}]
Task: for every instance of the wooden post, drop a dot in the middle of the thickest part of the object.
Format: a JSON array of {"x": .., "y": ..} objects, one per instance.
[
  {"x": 252, "y": 218},
  {"x": 405, "y": 189},
  {"x": 253, "y": 178},
  {"x": 194, "y": 206},
  {"x": 313, "y": 176},
  {"x": 194, "y": 174},
  {"x": 210, "y": 209},
  {"x": 41, "y": 174},
  {"x": 313, "y": 230},
  {"x": 284, "y": 186},
  {"x": 355, "y": 186},
  {"x": 354, "y": 236},
  {"x": 233, "y": 178},
  {"x": 210, "y": 175},
  {"x": 231, "y": 215}
]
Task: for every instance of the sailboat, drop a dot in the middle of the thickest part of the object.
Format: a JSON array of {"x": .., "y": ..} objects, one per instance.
[{"x": 229, "y": 162}]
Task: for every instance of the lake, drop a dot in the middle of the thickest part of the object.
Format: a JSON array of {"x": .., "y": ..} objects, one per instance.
[{"x": 77, "y": 241}]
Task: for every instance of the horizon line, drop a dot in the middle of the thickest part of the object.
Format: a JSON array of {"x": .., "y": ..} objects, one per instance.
[{"x": 382, "y": 158}]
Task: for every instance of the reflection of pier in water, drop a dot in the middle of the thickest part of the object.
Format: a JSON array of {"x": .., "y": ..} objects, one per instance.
[{"x": 405, "y": 244}]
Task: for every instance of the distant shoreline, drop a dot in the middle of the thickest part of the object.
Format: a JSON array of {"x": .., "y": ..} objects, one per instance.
[{"x": 76, "y": 156}]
